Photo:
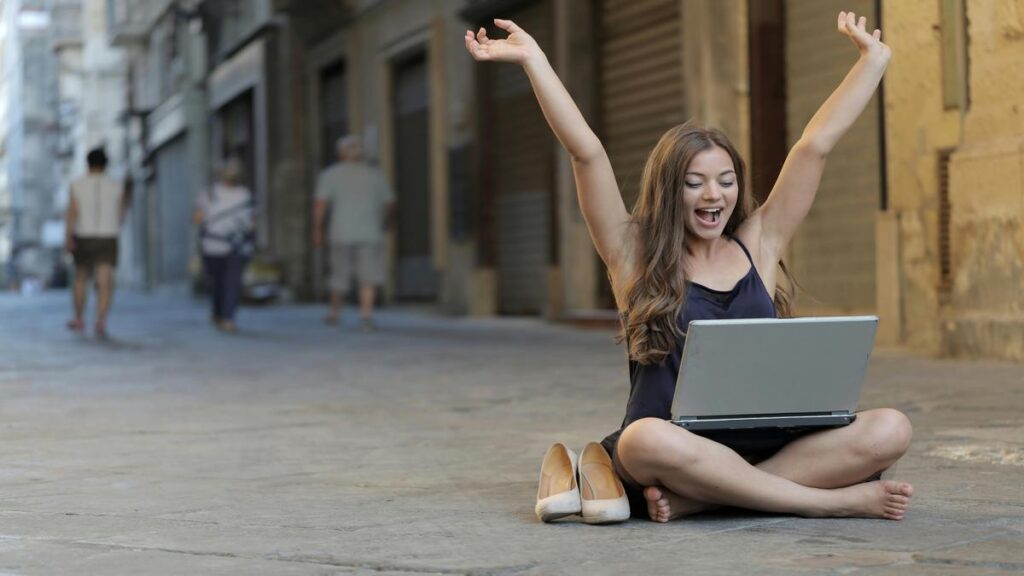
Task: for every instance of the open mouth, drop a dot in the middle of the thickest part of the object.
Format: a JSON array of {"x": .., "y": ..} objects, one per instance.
[{"x": 709, "y": 216}]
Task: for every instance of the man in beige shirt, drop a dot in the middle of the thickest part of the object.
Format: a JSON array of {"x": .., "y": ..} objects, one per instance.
[
  {"x": 96, "y": 208},
  {"x": 362, "y": 205}
]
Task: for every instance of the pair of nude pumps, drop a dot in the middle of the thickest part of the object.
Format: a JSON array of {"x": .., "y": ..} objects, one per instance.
[{"x": 587, "y": 486}]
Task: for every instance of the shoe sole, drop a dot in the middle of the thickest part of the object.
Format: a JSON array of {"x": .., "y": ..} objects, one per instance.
[
  {"x": 549, "y": 515},
  {"x": 605, "y": 519}
]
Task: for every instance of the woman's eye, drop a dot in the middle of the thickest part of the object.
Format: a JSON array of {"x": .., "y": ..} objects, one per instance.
[
  {"x": 727, "y": 184},
  {"x": 693, "y": 184}
]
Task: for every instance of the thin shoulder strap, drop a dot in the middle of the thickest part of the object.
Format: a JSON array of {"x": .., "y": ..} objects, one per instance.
[{"x": 745, "y": 251}]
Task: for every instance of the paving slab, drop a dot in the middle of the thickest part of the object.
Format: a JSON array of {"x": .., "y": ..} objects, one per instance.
[{"x": 294, "y": 448}]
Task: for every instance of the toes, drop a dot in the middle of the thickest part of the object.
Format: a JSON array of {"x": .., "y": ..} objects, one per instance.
[
  {"x": 901, "y": 488},
  {"x": 657, "y": 514},
  {"x": 895, "y": 510},
  {"x": 653, "y": 493}
]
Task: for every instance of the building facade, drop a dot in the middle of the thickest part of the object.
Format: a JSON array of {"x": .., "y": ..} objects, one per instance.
[
  {"x": 29, "y": 214},
  {"x": 504, "y": 233},
  {"x": 954, "y": 227},
  {"x": 165, "y": 117},
  {"x": 488, "y": 221}
]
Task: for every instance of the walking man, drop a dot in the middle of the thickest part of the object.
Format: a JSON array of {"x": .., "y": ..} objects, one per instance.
[
  {"x": 362, "y": 205},
  {"x": 96, "y": 209}
]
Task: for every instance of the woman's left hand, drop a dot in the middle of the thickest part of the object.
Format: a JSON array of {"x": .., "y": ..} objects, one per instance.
[{"x": 869, "y": 44}]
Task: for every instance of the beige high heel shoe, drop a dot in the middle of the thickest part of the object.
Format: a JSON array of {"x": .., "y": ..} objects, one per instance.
[
  {"x": 604, "y": 499},
  {"x": 558, "y": 495}
]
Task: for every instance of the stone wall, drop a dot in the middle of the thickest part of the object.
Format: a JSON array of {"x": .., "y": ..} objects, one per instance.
[
  {"x": 979, "y": 313},
  {"x": 985, "y": 316}
]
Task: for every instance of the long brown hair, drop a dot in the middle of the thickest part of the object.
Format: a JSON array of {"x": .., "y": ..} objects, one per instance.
[{"x": 650, "y": 324}]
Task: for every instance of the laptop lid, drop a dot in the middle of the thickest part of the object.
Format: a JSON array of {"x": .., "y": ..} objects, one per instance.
[{"x": 769, "y": 366}]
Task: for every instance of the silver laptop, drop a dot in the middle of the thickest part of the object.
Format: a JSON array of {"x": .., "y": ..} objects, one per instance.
[{"x": 768, "y": 373}]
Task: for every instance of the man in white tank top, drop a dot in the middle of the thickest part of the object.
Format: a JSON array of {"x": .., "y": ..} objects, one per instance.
[{"x": 96, "y": 209}]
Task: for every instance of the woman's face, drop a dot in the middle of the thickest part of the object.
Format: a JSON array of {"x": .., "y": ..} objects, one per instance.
[{"x": 710, "y": 192}]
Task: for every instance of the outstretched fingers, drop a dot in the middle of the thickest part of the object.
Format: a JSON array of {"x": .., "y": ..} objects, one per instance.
[
  {"x": 472, "y": 45},
  {"x": 856, "y": 29},
  {"x": 476, "y": 49}
]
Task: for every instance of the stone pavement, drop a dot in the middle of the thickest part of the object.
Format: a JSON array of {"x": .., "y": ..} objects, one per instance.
[{"x": 293, "y": 448}]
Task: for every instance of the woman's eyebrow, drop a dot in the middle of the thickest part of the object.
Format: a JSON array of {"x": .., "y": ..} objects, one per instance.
[{"x": 701, "y": 174}]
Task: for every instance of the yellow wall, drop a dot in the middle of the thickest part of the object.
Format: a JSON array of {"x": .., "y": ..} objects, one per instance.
[
  {"x": 982, "y": 316},
  {"x": 986, "y": 314}
]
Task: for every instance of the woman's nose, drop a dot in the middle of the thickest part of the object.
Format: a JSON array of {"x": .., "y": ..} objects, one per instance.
[{"x": 712, "y": 191}]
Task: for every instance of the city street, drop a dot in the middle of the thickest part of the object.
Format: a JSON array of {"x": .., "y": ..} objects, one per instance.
[{"x": 296, "y": 448}]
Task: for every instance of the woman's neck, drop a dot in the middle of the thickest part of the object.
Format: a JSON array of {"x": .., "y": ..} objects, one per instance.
[{"x": 704, "y": 249}]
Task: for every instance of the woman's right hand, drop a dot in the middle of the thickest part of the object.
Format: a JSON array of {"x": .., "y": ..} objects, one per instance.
[{"x": 518, "y": 48}]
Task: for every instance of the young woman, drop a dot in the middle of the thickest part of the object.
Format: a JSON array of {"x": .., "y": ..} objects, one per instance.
[{"x": 697, "y": 246}]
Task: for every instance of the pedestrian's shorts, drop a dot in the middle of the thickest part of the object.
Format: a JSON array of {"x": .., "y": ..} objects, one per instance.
[
  {"x": 91, "y": 252},
  {"x": 364, "y": 261}
]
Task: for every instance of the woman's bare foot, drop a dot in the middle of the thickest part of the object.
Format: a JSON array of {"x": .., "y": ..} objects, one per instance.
[
  {"x": 887, "y": 499},
  {"x": 664, "y": 505}
]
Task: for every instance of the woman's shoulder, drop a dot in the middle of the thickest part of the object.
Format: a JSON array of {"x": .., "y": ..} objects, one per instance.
[{"x": 749, "y": 236}]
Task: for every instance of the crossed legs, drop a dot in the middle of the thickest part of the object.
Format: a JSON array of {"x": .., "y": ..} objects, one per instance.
[{"x": 820, "y": 474}]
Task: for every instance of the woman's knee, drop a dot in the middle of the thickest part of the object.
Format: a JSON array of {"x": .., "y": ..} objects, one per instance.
[
  {"x": 886, "y": 435},
  {"x": 648, "y": 444}
]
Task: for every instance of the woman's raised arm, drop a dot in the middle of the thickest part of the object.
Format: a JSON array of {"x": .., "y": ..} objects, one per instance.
[
  {"x": 794, "y": 191},
  {"x": 598, "y": 192}
]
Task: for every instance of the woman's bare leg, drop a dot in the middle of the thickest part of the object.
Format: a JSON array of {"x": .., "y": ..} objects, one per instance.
[
  {"x": 831, "y": 458},
  {"x": 847, "y": 455},
  {"x": 698, "y": 472}
]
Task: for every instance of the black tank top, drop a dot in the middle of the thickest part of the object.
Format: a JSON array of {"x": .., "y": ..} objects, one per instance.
[{"x": 652, "y": 386}]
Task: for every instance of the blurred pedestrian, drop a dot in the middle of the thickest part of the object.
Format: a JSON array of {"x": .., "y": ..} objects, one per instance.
[
  {"x": 361, "y": 204},
  {"x": 97, "y": 205},
  {"x": 226, "y": 218}
]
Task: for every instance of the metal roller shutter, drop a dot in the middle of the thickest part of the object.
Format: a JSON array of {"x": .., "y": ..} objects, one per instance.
[
  {"x": 175, "y": 210},
  {"x": 641, "y": 82},
  {"x": 520, "y": 151},
  {"x": 417, "y": 279},
  {"x": 833, "y": 254}
]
